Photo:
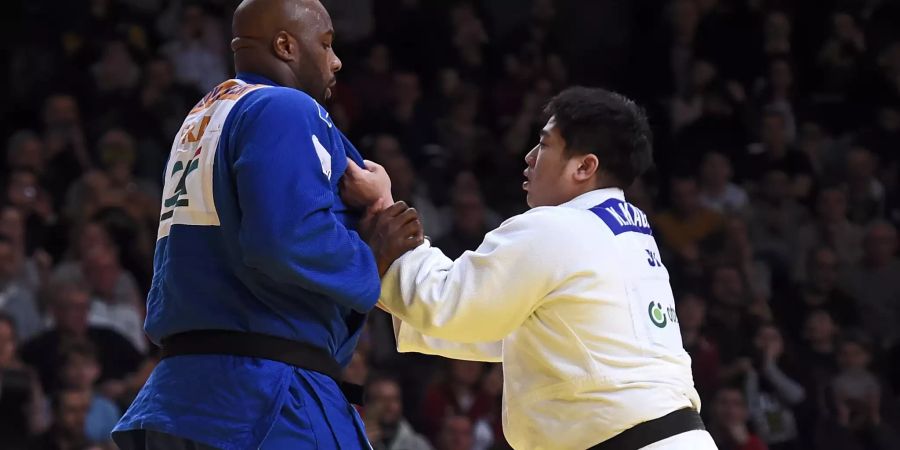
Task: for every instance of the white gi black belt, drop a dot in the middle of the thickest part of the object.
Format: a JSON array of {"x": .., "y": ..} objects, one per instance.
[
  {"x": 651, "y": 431},
  {"x": 256, "y": 345}
]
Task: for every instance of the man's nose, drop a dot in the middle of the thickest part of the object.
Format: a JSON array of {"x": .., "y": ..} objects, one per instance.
[{"x": 530, "y": 156}]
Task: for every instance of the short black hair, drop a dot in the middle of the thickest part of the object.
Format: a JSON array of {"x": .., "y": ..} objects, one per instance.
[
  {"x": 608, "y": 125},
  {"x": 84, "y": 349}
]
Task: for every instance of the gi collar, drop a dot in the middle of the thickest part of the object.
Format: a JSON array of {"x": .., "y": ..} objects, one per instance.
[
  {"x": 593, "y": 198},
  {"x": 252, "y": 78}
]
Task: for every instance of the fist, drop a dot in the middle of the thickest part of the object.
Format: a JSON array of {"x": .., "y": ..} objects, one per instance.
[
  {"x": 393, "y": 232},
  {"x": 368, "y": 187}
]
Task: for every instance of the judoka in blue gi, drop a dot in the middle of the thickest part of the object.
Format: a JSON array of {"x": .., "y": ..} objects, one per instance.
[{"x": 254, "y": 241}]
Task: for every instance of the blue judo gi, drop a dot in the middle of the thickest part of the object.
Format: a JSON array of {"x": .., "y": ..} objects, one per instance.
[{"x": 283, "y": 260}]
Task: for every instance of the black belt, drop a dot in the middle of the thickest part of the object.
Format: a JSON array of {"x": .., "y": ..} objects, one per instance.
[
  {"x": 646, "y": 433},
  {"x": 255, "y": 345}
]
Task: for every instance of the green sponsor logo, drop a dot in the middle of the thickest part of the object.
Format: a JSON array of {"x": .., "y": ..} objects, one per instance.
[
  {"x": 660, "y": 316},
  {"x": 657, "y": 315}
]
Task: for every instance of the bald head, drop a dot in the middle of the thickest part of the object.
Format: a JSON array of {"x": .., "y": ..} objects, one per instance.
[
  {"x": 287, "y": 41},
  {"x": 261, "y": 19}
]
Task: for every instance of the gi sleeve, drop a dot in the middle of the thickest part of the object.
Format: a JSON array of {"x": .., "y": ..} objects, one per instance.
[
  {"x": 288, "y": 230},
  {"x": 410, "y": 340},
  {"x": 485, "y": 294}
]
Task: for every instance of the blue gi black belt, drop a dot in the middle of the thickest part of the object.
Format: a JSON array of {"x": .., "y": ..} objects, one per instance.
[
  {"x": 256, "y": 345},
  {"x": 646, "y": 433}
]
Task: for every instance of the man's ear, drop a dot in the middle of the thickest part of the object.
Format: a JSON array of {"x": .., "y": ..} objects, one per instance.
[
  {"x": 285, "y": 46},
  {"x": 588, "y": 166}
]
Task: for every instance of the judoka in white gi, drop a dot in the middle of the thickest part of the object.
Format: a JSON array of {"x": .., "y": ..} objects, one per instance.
[{"x": 571, "y": 296}]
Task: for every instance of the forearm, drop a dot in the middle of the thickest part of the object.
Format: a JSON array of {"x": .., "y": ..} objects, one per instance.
[
  {"x": 789, "y": 389},
  {"x": 443, "y": 298},
  {"x": 410, "y": 340}
]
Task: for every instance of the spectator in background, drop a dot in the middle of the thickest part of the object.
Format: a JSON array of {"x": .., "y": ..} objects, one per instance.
[
  {"x": 704, "y": 351},
  {"x": 775, "y": 152},
  {"x": 373, "y": 86},
  {"x": 688, "y": 107},
  {"x": 468, "y": 215},
  {"x": 456, "y": 433},
  {"x": 197, "y": 51},
  {"x": 736, "y": 248},
  {"x": 855, "y": 398},
  {"x": 25, "y": 150},
  {"x": 386, "y": 426},
  {"x": 79, "y": 370},
  {"x": 115, "y": 78},
  {"x": 468, "y": 143},
  {"x": 163, "y": 101},
  {"x": 772, "y": 394},
  {"x": 728, "y": 425},
  {"x": 134, "y": 242},
  {"x": 720, "y": 127},
  {"x": 821, "y": 290},
  {"x": 353, "y": 20},
  {"x": 140, "y": 198},
  {"x": 25, "y": 193},
  {"x": 817, "y": 362},
  {"x": 65, "y": 143},
  {"x": 492, "y": 386},
  {"x": 777, "y": 92},
  {"x": 883, "y": 136},
  {"x": 122, "y": 311},
  {"x": 405, "y": 183},
  {"x": 32, "y": 265},
  {"x": 777, "y": 34},
  {"x": 727, "y": 317},
  {"x": 818, "y": 144},
  {"x": 539, "y": 32},
  {"x": 17, "y": 299},
  {"x": 717, "y": 192},
  {"x": 70, "y": 304},
  {"x": 116, "y": 300},
  {"x": 840, "y": 56},
  {"x": 22, "y": 401},
  {"x": 357, "y": 371},
  {"x": 774, "y": 215},
  {"x": 470, "y": 43},
  {"x": 687, "y": 223},
  {"x": 830, "y": 228},
  {"x": 404, "y": 116},
  {"x": 70, "y": 410},
  {"x": 875, "y": 283},
  {"x": 683, "y": 17},
  {"x": 865, "y": 193},
  {"x": 457, "y": 394}
]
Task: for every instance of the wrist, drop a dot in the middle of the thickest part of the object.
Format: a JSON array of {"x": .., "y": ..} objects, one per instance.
[{"x": 383, "y": 266}]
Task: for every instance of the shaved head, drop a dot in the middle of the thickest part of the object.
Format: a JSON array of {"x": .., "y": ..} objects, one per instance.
[
  {"x": 261, "y": 19},
  {"x": 287, "y": 41}
]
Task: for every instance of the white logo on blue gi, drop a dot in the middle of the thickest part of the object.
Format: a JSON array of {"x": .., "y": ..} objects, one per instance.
[{"x": 324, "y": 156}]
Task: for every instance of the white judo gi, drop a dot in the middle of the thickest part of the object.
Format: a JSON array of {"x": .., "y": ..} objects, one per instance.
[{"x": 578, "y": 308}]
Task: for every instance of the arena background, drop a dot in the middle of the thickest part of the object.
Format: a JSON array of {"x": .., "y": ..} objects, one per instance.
[{"x": 774, "y": 194}]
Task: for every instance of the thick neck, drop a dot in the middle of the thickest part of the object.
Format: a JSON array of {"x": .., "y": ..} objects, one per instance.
[{"x": 264, "y": 65}]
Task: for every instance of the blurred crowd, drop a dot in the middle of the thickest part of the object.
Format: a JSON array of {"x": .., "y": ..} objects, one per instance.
[{"x": 774, "y": 196}]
